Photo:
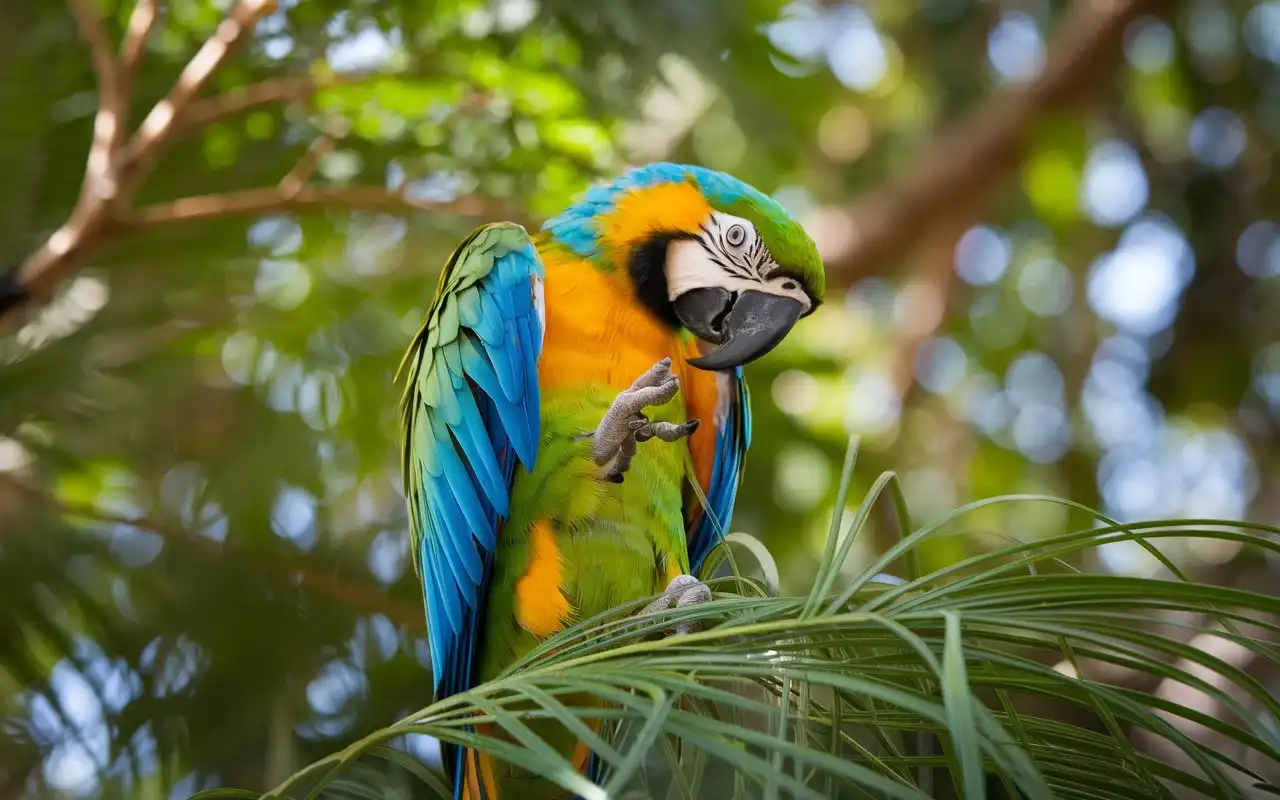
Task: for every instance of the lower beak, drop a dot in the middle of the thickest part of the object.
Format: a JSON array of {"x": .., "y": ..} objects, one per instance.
[{"x": 745, "y": 326}]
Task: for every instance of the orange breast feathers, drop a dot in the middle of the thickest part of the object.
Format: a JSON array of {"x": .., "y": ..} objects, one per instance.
[{"x": 597, "y": 331}]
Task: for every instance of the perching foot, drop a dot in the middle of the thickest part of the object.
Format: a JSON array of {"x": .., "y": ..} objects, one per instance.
[
  {"x": 684, "y": 590},
  {"x": 624, "y": 425}
]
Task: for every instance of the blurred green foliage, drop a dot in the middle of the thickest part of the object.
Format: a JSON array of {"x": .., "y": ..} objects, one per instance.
[{"x": 202, "y": 564}]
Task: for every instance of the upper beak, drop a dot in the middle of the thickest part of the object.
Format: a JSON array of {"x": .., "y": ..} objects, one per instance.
[{"x": 745, "y": 326}]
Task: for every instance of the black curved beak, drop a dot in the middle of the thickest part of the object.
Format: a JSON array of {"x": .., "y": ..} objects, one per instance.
[{"x": 745, "y": 326}]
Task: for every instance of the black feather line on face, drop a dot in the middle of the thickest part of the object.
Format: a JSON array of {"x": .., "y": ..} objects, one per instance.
[
  {"x": 758, "y": 256},
  {"x": 649, "y": 276},
  {"x": 754, "y": 262},
  {"x": 719, "y": 257}
]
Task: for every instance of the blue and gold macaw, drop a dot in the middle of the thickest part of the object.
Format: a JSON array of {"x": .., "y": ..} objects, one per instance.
[{"x": 545, "y": 361}]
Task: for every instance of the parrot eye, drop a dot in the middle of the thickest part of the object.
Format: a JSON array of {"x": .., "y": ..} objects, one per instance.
[{"x": 736, "y": 235}]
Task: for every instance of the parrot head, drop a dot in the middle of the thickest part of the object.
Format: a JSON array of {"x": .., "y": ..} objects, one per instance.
[{"x": 704, "y": 252}]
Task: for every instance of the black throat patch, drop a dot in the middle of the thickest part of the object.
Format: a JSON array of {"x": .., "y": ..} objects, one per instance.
[
  {"x": 649, "y": 276},
  {"x": 12, "y": 293}
]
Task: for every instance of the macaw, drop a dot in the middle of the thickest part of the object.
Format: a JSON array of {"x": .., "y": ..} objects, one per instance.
[{"x": 544, "y": 362}]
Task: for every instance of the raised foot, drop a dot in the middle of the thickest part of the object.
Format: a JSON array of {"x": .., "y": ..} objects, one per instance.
[
  {"x": 683, "y": 590},
  {"x": 624, "y": 425}
]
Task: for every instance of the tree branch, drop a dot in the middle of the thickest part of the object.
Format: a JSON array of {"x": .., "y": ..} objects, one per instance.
[
  {"x": 89, "y": 24},
  {"x": 136, "y": 34},
  {"x": 297, "y": 178},
  {"x": 160, "y": 124},
  {"x": 112, "y": 168},
  {"x": 250, "y": 202},
  {"x": 141, "y": 21},
  {"x": 289, "y": 89},
  {"x": 108, "y": 124},
  {"x": 358, "y": 597},
  {"x": 979, "y": 151},
  {"x": 101, "y": 187},
  {"x": 103, "y": 210}
]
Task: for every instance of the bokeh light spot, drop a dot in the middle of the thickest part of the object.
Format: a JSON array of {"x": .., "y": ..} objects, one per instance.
[
  {"x": 1149, "y": 45},
  {"x": 1015, "y": 47},
  {"x": 1046, "y": 287},
  {"x": 941, "y": 365},
  {"x": 1137, "y": 285},
  {"x": 844, "y": 134},
  {"x": 873, "y": 403},
  {"x": 803, "y": 477},
  {"x": 982, "y": 255},
  {"x": 1217, "y": 138},
  {"x": 796, "y": 392},
  {"x": 1114, "y": 188},
  {"x": 1262, "y": 31},
  {"x": 1258, "y": 249},
  {"x": 857, "y": 55}
]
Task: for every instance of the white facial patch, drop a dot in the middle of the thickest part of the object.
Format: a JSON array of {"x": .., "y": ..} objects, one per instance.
[{"x": 729, "y": 255}]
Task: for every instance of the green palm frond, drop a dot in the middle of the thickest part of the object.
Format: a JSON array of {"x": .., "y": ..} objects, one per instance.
[{"x": 945, "y": 684}]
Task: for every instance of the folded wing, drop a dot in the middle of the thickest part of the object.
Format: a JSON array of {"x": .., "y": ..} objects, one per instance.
[{"x": 470, "y": 412}]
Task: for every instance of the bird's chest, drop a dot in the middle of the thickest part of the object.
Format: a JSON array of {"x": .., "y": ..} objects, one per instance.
[
  {"x": 626, "y": 539},
  {"x": 608, "y": 525},
  {"x": 598, "y": 339},
  {"x": 618, "y": 541}
]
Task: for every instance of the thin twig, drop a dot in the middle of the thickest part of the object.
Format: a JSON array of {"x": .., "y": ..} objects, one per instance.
[
  {"x": 96, "y": 206},
  {"x": 159, "y": 125},
  {"x": 141, "y": 21},
  {"x": 250, "y": 202},
  {"x": 114, "y": 169},
  {"x": 137, "y": 31},
  {"x": 297, "y": 178},
  {"x": 109, "y": 122},
  {"x": 289, "y": 89},
  {"x": 94, "y": 34}
]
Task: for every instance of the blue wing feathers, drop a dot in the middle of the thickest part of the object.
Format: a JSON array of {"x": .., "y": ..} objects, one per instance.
[
  {"x": 732, "y": 440},
  {"x": 435, "y": 599},
  {"x": 503, "y": 300},
  {"x": 490, "y": 323},
  {"x": 510, "y": 374},
  {"x": 463, "y": 558},
  {"x": 472, "y": 410},
  {"x": 478, "y": 366},
  {"x": 450, "y": 607},
  {"x": 484, "y": 462},
  {"x": 462, "y": 490},
  {"x": 515, "y": 423},
  {"x": 443, "y": 516}
]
